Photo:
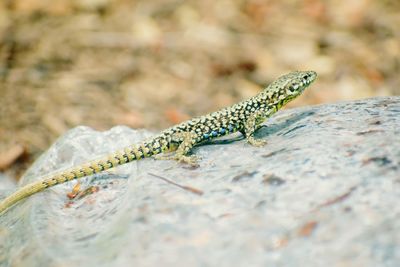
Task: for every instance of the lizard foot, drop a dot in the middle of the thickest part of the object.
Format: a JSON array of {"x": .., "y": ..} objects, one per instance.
[
  {"x": 256, "y": 142},
  {"x": 191, "y": 160}
]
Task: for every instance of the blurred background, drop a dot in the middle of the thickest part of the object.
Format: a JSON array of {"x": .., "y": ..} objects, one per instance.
[{"x": 151, "y": 64}]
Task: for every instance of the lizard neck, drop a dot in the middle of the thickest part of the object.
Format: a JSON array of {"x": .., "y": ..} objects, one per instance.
[{"x": 274, "y": 100}]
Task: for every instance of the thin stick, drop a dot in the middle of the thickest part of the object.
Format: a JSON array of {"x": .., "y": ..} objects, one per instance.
[{"x": 188, "y": 188}]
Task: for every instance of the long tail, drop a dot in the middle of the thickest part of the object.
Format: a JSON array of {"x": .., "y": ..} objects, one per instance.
[{"x": 118, "y": 158}]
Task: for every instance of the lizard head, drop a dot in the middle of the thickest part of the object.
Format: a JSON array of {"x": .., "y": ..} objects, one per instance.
[{"x": 289, "y": 86}]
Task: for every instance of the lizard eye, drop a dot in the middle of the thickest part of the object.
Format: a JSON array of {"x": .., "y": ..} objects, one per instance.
[{"x": 306, "y": 78}]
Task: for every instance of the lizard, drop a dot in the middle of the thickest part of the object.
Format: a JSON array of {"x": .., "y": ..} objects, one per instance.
[{"x": 176, "y": 142}]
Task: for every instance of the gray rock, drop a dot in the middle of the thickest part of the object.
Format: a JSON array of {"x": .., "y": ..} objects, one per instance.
[{"x": 324, "y": 191}]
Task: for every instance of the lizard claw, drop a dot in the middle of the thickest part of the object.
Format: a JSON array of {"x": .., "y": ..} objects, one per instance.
[
  {"x": 191, "y": 160},
  {"x": 256, "y": 142}
]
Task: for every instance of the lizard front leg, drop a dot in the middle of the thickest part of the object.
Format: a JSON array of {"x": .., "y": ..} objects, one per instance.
[
  {"x": 186, "y": 142},
  {"x": 251, "y": 125}
]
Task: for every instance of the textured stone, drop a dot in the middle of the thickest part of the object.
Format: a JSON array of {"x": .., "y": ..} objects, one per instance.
[{"x": 324, "y": 191}]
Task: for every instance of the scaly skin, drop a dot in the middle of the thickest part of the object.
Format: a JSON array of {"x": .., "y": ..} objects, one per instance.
[{"x": 245, "y": 117}]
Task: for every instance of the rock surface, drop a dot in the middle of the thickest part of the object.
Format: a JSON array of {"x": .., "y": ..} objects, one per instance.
[{"x": 324, "y": 191}]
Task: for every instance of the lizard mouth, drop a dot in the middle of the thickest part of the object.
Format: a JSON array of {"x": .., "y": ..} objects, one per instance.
[{"x": 308, "y": 78}]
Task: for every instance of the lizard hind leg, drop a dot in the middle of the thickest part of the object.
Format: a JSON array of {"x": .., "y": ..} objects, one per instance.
[{"x": 186, "y": 142}]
